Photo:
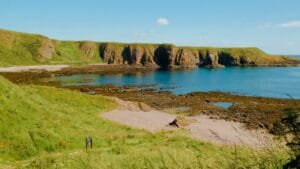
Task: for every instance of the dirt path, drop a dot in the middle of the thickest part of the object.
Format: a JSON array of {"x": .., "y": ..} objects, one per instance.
[{"x": 140, "y": 115}]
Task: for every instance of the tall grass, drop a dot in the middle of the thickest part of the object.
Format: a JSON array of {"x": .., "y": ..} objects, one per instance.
[{"x": 45, "y": 127}]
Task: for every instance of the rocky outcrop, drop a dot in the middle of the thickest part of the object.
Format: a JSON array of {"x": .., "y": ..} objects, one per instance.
[
  {"x": 127, "y": 54},
  {"x": 112, "y": 54},
  {"x": 47, "y": 49},
  {"x": 139, "y": 55},
  {"x": 20, "y": 48},
  {"x": 170, "y": 56},
  {"x": 209, "y": 59},
  {"x": 227, "y": 59},
  {"x": 164, "y": 56},
  {"x": 88, "y": 48},
  {"x": 186, "y": 58}
]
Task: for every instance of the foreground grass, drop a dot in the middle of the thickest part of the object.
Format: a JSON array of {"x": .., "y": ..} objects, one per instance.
[{"x": 45, "y": 127}]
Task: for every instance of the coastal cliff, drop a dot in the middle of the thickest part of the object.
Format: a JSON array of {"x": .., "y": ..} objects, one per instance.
[{"x": 28, "y": 49}]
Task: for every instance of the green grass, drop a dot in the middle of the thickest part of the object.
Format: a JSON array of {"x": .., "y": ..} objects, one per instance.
[
  {"x": 24, "y": 49},
  {"x": 69, "y": 52},
  {"x": 37, "y": 119},
  {"x": 45, "y": 127}
]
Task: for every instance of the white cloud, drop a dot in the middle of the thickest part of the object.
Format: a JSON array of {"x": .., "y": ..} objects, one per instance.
[
  {"x": 163, "y": 21},
  {"x": 291, "y": 24}
]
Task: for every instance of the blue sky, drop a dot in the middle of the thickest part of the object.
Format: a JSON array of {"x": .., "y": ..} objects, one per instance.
[{"x": 273, "y": 25}]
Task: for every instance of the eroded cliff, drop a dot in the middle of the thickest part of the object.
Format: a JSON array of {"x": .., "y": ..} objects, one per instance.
[
  {"x": 23, "y": 49},
  {"x": 168, "y": 56}
]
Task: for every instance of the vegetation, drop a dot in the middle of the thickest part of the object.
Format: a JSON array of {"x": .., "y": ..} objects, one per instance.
[
  {"x": 29, "y": 49},
  {"x": 37, "y": 119},
  {"x": 292, "y": 126},
  {"x": 45, "y": 127}
]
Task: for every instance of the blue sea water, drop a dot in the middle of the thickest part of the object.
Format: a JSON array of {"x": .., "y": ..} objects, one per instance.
[
  {"x": 225, "y": 105},
  {"x": 277, "y": 82}
]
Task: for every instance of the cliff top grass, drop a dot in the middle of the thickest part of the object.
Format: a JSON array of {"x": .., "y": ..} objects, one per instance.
[
  {"x": 45, "y": 127},
  {"x": 25, "y": 49},
  {"x": 32, "y": 49}
]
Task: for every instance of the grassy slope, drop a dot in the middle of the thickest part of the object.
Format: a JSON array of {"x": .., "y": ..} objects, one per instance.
[
  {"x": 23, "y": 49},
  {"x": 45, "y": 127},
  {"x": 69, "y": 52},
  {"x": 36, "y": 119}
]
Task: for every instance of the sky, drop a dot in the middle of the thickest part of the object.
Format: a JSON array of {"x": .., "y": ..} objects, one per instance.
[{"x": 272, "y": 25}]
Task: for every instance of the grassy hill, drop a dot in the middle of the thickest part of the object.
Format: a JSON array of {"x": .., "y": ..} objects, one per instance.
[
  {"x": 30, "y": 49},
  {"x": 45, "y": 127}
]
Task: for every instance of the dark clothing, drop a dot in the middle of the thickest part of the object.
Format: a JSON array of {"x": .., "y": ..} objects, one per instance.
[{"x": 88, "y": 142}]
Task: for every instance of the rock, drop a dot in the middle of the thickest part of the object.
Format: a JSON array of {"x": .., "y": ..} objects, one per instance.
[
  {"x": 164, "y": 56},
  {"x": 46, "y": 49},
  {"x": 112, "y": 54},
  {"x": 213, "y": 58},
  {"x": 141, "y": 55},
  {"x": 210, "y": 60},
  {"x": 127, "y": 54},
  {"x": 40, "y": 49},
  {"x": 228, "y": 60},
  {"x": 174, "y": 123},
  {"x": 186, "y": 58},
  {"x": 136, "y": 54},
  {"x": 148, "y": 57},
  {"x": 246, "y": 61},
  {"x": 169, "y": 56},
  {"x": 88, "y": 48}
]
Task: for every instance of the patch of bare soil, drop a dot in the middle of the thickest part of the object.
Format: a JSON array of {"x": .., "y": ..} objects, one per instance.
[
  {"x": 140, "y": 115},
  {"x": 227, "y": 132}
]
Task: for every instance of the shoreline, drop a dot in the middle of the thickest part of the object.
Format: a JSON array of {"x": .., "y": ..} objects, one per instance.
[
  {"x": 255, "y": 112},
  {"x": 49, "y": 68},
  {"x": 83, "y": 68}
]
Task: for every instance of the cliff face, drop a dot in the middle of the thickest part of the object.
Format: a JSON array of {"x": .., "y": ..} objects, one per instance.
[
  {"x": 169, "y": 56},
  {"x": 21, "y": 49}
]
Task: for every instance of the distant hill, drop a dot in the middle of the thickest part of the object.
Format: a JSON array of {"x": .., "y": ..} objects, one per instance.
[{"x": 30, "y": 49}]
